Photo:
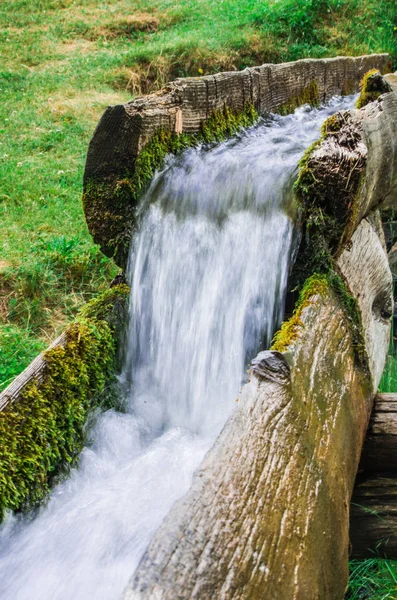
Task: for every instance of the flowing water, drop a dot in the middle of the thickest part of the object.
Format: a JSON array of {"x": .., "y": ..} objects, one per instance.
[{"x": 208, "y": 272}]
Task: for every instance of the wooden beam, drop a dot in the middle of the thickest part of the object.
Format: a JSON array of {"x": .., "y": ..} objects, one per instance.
[
  {"x": 373, "y": 510},
  {"x": 373, "y": 516},
  {"x": 380, "y": 447}
]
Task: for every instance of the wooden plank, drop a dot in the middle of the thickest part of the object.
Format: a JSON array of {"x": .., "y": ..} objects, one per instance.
[
  {"x": 373, "y": 516},
  {"x": 380, "y": 447}
]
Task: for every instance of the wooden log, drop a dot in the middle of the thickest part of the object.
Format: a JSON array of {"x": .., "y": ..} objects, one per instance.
[
  {"x": 380, "y": 446},
  {"x": 125, "y": 129},
  {"x": 373, "y": 516},
  {"x": 184, "y": 106},
  {"x": 267, "y": 514}
]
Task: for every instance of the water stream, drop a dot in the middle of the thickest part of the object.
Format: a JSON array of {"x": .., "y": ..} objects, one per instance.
[{"x": 208, "y": 273}]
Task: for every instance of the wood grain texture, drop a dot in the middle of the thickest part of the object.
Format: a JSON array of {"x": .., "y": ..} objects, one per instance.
[
  {"x": 365, "y": 266},
  {"x": 380, "y": 137}
]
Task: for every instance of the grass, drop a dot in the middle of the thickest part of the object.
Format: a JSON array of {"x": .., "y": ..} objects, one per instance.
[{"x": 372, "y": 579}]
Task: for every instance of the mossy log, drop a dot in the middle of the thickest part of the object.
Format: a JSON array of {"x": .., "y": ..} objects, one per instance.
[
  {"x": 113, "y": 176},
  {"x": 44, "y": 410}
]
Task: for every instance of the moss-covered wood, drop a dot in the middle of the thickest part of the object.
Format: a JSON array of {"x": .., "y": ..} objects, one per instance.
[
  {"x": 371, "y": 87},
  {"x": 111, "y": 206},
  {"x": 42, "y": 431},
  {"x": 186, "y": 106},
  {"x": 327, "y": 191}
]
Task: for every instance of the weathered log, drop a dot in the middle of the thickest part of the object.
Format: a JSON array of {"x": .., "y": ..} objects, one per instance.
[
  {"x": 184, "y": 106},
  {"x": 373, "y": 515},
  {"x": 33, "y": 372},
  {"x": 267, "y": 514},
  {"x": 380, "y": 446},
  {"x": 371, "y": 288}
]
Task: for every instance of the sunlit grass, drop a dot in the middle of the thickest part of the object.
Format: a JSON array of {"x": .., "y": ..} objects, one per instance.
[{"x": 372, "y": 579}]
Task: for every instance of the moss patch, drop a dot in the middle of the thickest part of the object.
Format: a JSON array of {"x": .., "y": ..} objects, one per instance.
[
  {"x": 372, "y": 86},
  {"x": 289, "y": 332},
  {"x": 320, "y": 284},
  {"x": 111, "y": 206},
  {"x": 327, "y": 190},
  {"x": 43, "y": 431}
]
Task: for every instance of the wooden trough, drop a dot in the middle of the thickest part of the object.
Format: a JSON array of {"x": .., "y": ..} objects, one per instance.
[{"x": 267, "y": 515}]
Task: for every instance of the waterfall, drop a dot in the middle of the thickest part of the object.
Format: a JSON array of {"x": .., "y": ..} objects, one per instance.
[{"x": 208, "y": 272}]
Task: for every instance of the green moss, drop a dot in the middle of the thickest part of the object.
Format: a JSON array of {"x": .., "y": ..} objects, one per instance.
[
  {"x": 289, "y": 332},
  {"x": 43, "y": 431},
  {"x": 327, "y": 192},
  {"x": 320, "y": 284},
  {"x": 309, "y": 95},
  {"x": 111, "y": 206},
  {"x": 369, "y": 89},
  {"x": 353, "y": 314}
]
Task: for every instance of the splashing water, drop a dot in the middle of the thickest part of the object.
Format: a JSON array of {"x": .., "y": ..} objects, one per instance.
[{"x": 208, "y": 273}]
